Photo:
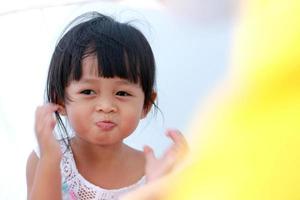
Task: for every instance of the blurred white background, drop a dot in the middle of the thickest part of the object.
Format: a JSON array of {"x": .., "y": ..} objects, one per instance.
[{"x": 191, "y": 47}]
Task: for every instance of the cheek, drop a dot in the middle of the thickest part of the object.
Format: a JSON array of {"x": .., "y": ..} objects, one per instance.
[
  {"x": 130, "y": 125},
  {"x": 77, "y": 117},
  {"x": 132, "y": 117}
]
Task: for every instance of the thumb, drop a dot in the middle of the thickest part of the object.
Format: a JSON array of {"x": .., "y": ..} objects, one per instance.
[{"x": 149, "y": 154}]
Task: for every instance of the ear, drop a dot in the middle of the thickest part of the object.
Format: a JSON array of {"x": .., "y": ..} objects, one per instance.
[
  {"x": 148, "y": 107},
  {"x": 61, "y": 109}
]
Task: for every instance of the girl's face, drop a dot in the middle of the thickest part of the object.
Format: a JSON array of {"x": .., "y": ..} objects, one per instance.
[{"x": 103, "y": 110}]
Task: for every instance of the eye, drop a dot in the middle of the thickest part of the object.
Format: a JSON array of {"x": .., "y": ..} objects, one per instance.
[
  {"x": 123, "y": 93},
  {"x": 87, "y": 92}
]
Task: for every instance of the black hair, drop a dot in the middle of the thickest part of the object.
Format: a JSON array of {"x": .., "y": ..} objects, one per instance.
[{"x": 121, "y": 50}]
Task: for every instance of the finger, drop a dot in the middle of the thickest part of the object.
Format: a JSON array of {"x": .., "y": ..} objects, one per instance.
[
  {"x": 178, "y": 139},
  {"x": 175, "y": 135},
  {"x": 44, "y": 118},
  {"x": 50, "y": 121},
  {"x": 45, "y": 109},
  {"x": 51, "y": 107},
  {"x": 149, "y": 154}
]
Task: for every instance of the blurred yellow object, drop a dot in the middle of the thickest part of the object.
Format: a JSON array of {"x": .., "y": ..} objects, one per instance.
[{"x": 246, "y": 145}]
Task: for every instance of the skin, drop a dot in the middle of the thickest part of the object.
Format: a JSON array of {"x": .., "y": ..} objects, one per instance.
[
  {"x": 46, "y": 169},
  {"x": 102, "y": 112}
]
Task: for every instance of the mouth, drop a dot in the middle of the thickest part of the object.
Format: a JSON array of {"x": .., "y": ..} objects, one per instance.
[{"x": 105, "y": 125}]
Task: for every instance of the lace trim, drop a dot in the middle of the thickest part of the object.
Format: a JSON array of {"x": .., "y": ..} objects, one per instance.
[{"x": 75, "y": 186}]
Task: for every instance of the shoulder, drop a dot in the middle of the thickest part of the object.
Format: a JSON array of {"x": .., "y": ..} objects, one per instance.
[
  {"x": 31, "y": 166},
  {"x": 32, "y": 162}
]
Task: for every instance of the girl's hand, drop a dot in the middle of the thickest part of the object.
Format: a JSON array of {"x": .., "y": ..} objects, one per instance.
[
  {"x": 156, "y": 168},
  {"x": 44, "y": 125}
]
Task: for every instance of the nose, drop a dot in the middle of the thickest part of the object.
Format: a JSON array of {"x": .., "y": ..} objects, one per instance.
[{"x": 106, "y": 105}]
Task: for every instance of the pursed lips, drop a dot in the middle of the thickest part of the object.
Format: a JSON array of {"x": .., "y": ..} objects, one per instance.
[{"x": 106, "y": 125}]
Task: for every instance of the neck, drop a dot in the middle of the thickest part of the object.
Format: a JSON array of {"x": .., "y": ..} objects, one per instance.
[
  {"x": 109, "y": 166},
  {"x": 86, "y": 152}
]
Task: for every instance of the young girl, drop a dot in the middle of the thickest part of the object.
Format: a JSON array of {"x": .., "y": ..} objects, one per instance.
[{"x": 101, "y": 78}]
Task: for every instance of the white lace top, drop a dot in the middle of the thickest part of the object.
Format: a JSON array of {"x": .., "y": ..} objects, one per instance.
[{"x": 76, "y": 187}]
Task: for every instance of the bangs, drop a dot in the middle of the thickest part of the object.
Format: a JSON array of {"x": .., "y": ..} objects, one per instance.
[
  {"x": 112, "y": 61},
  {"x": 116, "y": 56}
]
